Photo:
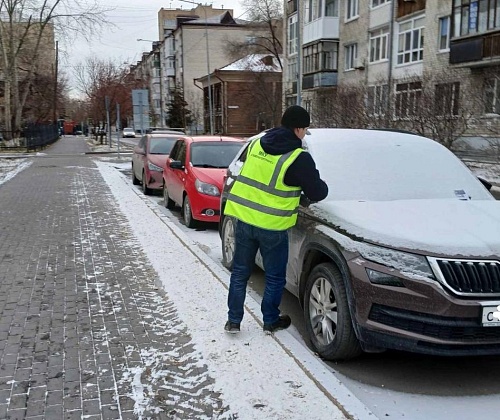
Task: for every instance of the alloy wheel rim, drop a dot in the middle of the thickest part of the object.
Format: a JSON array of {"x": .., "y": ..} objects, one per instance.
[
  {"x": 187, "y": 211},
  {"x": 323, "y": 314},
  {"x": 229, "y": 240}
]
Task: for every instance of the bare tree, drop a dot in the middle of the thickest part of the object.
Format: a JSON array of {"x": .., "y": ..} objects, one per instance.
[
  {"x": 26, "y": 32},
  {"x": 266, "y": 25},
  {"x": 98, "y": 79}
]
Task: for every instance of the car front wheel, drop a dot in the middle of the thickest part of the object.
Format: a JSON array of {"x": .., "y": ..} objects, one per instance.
[
  {"x": 327, "y": 316},
  {"x": 135, "y": 181},
  {"x": 228, "y": 241},
  {"x": 145, "y": 189},
  {"x": 187, "y": 213},
  {"x": 169, "y": 203}
]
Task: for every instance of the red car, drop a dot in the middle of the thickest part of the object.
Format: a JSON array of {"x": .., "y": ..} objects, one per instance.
[
  {"x": 149, "y": 158},
  {"x": 194, "y": 173}
]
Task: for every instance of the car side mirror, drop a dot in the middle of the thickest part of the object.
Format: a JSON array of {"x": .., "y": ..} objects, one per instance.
[
  {"x": 487, "y": 184},
  {"x": 176, "y": 164}
]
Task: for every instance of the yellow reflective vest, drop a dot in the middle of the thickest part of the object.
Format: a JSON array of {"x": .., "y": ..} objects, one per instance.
[{"x": 259, "y": 195}]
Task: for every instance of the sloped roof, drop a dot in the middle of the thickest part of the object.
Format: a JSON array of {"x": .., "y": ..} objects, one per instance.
[
  {"x": 255, "y": 63},
  {"x": 223, "y": 19}
]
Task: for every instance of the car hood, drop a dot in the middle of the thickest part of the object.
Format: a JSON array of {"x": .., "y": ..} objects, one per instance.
[
  {"x": 214, "y": 176},
  {"x": 445, "y": 227}
]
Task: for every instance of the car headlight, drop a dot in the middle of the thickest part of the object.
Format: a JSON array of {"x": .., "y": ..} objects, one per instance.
[
  {"x": 205, "y": 188},
  {"x": 153, "y": 167},
  {"x": 408, "y": 264}
]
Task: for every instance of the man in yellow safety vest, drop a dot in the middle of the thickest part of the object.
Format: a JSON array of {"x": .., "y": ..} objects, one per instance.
[{"x": 265, "y": 200}]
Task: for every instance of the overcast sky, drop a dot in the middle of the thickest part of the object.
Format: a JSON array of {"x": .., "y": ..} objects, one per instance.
[{"x": 133, "y": 19}]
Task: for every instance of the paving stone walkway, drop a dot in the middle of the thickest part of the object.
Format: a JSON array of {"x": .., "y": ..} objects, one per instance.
[{"x": 84, "y": 330}]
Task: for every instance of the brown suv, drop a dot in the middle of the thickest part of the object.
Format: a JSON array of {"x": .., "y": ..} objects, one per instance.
[{"x": 404, "y": 253}]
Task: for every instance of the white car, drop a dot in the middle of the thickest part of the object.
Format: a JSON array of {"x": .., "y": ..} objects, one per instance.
[{"x": 128, "y": 132}]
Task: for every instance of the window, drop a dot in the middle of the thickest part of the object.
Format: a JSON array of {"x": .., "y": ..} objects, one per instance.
[
  {"x": 492, "y": 96},
  {"x": 292, "y": 69},
  {"x": 444, "y": 33},
  {"x": 292, "y": 35},
  {"x": 314, "y": 9},
  {"x": 446, "y": 99},
  {"x": 407, "y": 98},
  {"x": 411, "y": 41},
  {"x": 351, "y": 56},
  {"x": 376, "y": 3},
  {"x": 352, "y": 9},
  {"x": 332, "y": 8},
  {"x": 379, "y": 41},
  {"x": 472, "y": 16},
  {"x": 322, "y": 56},
  {"x": 377, "y": 99}
]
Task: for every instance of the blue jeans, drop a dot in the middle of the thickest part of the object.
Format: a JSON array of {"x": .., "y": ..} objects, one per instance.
[{"x": 273, "y": 247}]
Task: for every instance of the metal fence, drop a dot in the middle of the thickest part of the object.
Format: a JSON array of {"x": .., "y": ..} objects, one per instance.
[{"x": 32, "y": 137}]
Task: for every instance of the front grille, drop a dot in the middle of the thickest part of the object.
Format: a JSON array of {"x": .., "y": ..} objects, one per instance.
[
  {"x": 470, "y": 278},
  {"x": 444, "y": 328}
]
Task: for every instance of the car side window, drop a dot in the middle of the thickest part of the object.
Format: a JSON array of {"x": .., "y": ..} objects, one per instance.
[
  {"x": 175, "y": 150},
  {"x": 182, "y": 152}
]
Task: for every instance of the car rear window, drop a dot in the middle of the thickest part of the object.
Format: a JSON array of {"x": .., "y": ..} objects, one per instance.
[
  {"x": 161, "y": 145},
  {"x": 214, "y": 154}
]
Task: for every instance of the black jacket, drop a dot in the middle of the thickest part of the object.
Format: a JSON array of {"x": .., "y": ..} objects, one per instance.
[{"x": 302, "y": 172}]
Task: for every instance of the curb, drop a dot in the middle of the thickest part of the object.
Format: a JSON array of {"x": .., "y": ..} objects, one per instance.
[{"x": 313, "y": 367}]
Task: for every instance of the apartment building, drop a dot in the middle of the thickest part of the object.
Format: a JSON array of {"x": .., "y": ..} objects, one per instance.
[
  {"x": 397, "y": 58},
  {"x": 193, "y": 43},
  {"x": 34, "y": 48}
]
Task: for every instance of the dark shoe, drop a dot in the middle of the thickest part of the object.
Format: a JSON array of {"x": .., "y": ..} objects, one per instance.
[
  {"x": 282, "y": 323},
  {"x": 232, "y": 327}
]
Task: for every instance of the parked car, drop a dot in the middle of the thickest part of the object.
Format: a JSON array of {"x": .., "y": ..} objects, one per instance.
[
  {"x": 149, "y": 158},
  {"x": 193, "y": 175},
  {"x": 128, "y": 132},
  {"x": 404, "y": 253}
]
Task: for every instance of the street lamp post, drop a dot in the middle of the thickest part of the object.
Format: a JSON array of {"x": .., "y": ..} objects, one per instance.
[{"x": 210, "y": 105}]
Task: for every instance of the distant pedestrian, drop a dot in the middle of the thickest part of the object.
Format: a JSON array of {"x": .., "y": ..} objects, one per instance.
[{"x": 265, "y": 199}]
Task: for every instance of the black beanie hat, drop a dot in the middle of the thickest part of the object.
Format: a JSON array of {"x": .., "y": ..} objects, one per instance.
[{"x": 295, "y": 117}]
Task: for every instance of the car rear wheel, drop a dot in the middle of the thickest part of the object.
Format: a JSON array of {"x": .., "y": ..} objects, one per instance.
[
  {"x": 169, "y": 203},
  {"x": 228, "y": 241},
  {"x": 327, "y": 316},
  {"x": 145, "y": 189},
  {"x": 135, "y": 181},
  {"x": 187, "y": 213}
]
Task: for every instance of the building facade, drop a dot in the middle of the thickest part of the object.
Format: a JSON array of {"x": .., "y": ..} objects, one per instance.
[{"x": 396, "y": 63}]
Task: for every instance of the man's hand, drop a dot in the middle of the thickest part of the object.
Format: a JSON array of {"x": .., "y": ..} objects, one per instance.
[{"x": 304, "y": 201}]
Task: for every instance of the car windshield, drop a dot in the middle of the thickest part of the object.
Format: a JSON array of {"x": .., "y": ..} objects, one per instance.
[
  {"x": 161, "y": 145},
  {"x": 371, "y": 165},
  {"x": 217, "y": 154}
]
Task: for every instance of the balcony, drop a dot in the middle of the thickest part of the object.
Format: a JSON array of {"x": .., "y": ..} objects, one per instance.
[
  {"x": 316, "y": 80},
  {"x": 478, "y": 51},
  {"x": 170, "y": 72},
  {"x": 323, "y": 28}
]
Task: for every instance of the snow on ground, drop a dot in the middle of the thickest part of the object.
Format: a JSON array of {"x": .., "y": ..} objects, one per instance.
[
  {"x": 255, "y": 376},
  {"x": 10, "y": 167}
]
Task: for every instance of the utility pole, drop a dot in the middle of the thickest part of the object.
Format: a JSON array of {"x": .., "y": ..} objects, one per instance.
[
  {"x": 118, "y": 128},
  {"x": 108, "y": 122},
  {"x": 56, "y": 70}
]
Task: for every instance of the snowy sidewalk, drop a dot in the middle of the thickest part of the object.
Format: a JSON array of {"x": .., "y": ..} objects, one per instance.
[
  {"x": 106, "y": 311},
  {"x": 255, "y": 376}
]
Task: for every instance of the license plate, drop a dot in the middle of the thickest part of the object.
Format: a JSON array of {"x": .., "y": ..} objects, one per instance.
[{"x": 491, "y": 316}]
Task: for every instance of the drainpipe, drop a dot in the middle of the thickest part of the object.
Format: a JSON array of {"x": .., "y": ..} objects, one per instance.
[{"x": 391, "y": 55}]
